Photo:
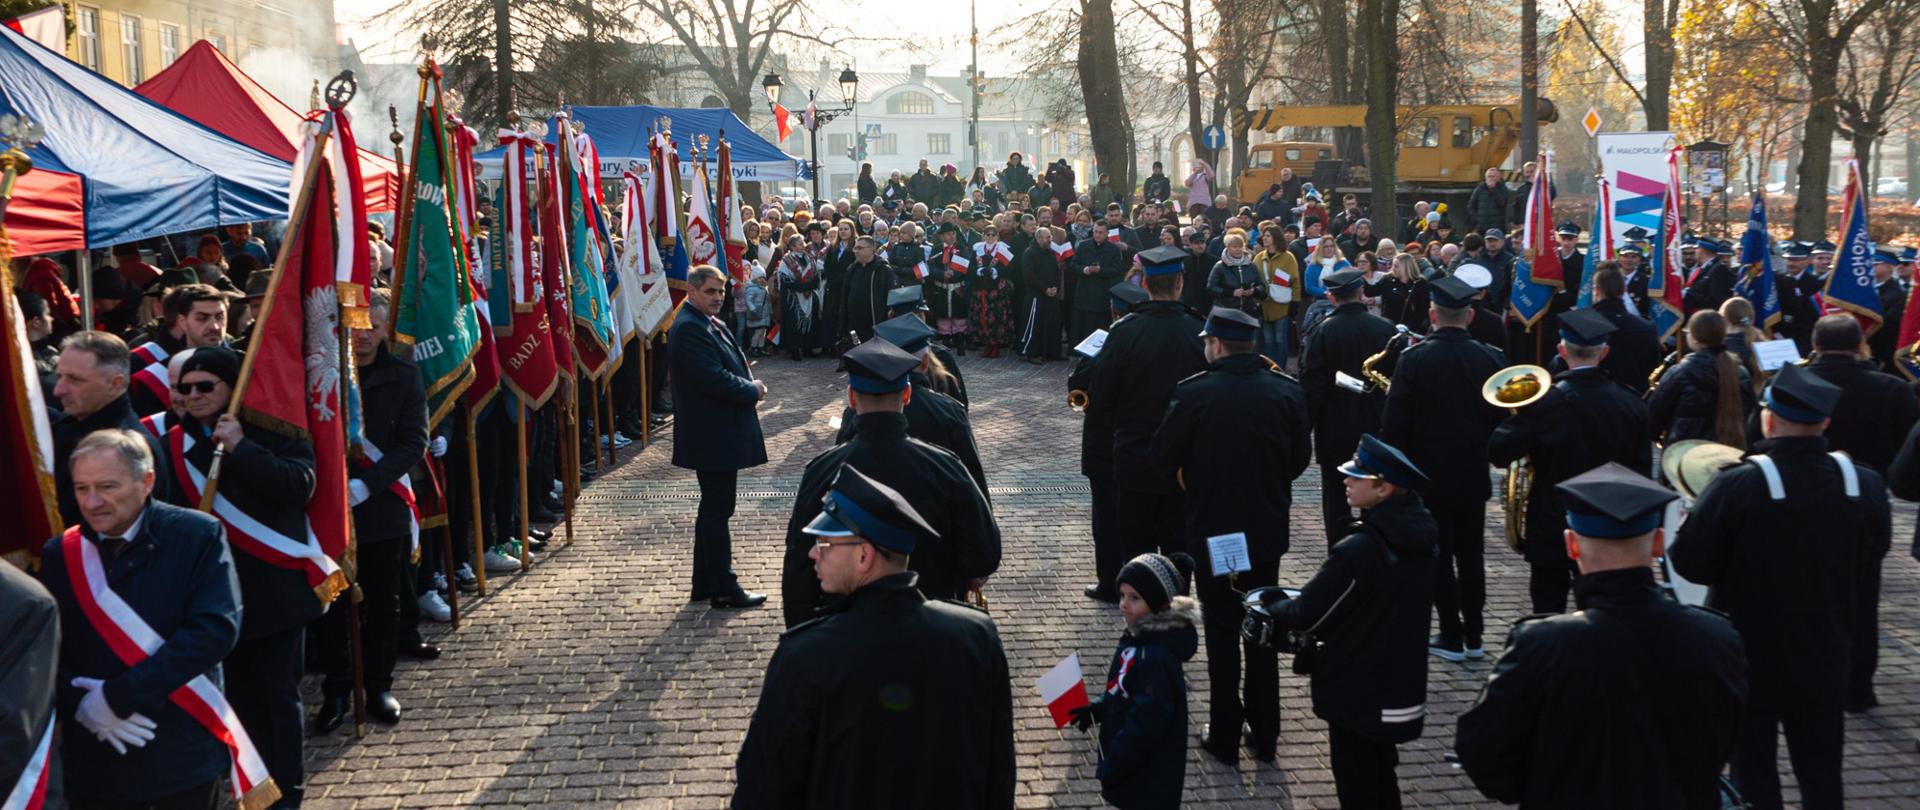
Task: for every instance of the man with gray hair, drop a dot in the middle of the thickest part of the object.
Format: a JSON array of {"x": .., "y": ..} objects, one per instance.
[
  {"x": 170, "y": 569},
  {"x": 92, "y": 390}
]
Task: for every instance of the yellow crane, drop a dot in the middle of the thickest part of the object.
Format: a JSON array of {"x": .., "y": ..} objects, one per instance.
[{"x": 1441, "y": 145}]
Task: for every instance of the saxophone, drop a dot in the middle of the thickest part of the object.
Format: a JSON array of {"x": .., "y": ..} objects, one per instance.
[
  {"x": 1401, "y": 340},
  {"x": 1516, "y": 387}
]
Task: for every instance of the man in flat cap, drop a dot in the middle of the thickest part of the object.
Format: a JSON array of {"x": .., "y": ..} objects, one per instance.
[
  {"x": 1434, "y": 412},
  {"x": 1634, "y": 700},
  {"x": 1797, "y": 310},
  {"x": 1584, "y": 420},
  {"x": 1146, "y": 353},
  {"x": 932, "y": 417},
  {"x": 1341, "y": 413},
  {"x": 912, "y": 300},
  {"x": 1711, "y": 282},
  {"x": 884, "y": 665},
  {"x": 966, "y": 547},
  {"x": 1237, "y": 436},
  {"x": 1782, "y": 542}
]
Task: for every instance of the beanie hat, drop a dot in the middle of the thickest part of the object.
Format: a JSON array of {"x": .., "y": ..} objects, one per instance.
[
  {"x": 1158, "y": 579},
  {"x": 219, "y": 361}
]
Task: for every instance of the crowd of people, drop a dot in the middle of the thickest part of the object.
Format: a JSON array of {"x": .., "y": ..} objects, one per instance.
[{"x": 1217, "y": 352}]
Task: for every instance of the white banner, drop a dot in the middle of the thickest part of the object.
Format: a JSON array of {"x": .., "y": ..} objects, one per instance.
[{"x": 1635, "y": 165}]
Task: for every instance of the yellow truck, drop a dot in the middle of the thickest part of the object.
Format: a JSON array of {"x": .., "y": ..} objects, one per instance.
[{"x": 1442, "y": 147}]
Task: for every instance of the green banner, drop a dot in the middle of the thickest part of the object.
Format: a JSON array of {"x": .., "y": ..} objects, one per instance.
[{"x": 434, "y": 299}]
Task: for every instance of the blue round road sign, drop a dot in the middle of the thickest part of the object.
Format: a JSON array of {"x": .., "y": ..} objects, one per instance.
[{"x": 1214, "y": 137}]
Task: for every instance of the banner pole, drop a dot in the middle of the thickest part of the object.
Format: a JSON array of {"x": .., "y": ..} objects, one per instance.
[
  {"x": 358, "y": 654},
  {"x": 520, "y": 452},
  {"x": 473, "y": 488},
  {"x": 445, "y": 532}
]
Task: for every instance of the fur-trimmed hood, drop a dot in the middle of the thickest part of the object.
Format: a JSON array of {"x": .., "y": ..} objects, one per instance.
[{"x": 1175, "y": 628}]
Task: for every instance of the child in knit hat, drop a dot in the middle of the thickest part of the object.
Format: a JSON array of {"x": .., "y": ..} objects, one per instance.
[{"x": 1143, "y": 712}]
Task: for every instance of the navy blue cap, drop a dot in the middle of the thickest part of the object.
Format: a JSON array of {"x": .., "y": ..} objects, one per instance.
[
  {"x": 1585, "y": 327},
  {"x": 1126, "y": 295},
  {"x": 1631, "y": 247},
  {"x": 1567, "y": 229},
  {"x": 878, "y": 367},
  {"x": 1612, "y": 502},
  {"x": 1908, "y": 254},
  {"x": 1690, "y": 241},
  {"x": 858, "y": 506},
  {"x": 1798, "y": 395},
  {"x": 1796, "y": 250},
  {"x": 906, "y": 331},
  {"x": 1823, "y": 246},
  {"x": 1721, "y": 247},
  {"x": 1635, "y": 234},
  {"x": 1885, "y": 255},
  {"x": 1377, "y": 459},
  {"x": 1230, "y": 324},
  {"x": 1452, "y": 292},
  {"x": 1344, "y": 280},
  {"x": 910, "y": 298},
  {"x": 1163, "y": 260},
  {"x": 1495, "y": 233}
]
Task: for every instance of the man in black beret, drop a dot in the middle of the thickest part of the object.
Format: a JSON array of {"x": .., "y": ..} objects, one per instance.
[
  {"x": 1634, "y": 700},
  {"x": 1782, "y": 541}
]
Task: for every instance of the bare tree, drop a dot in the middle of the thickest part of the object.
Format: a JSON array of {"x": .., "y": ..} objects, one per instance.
[
  {"x": 1660, "y": 17},
  {"x": 1379, "y": 21},
  {"x": 730, "y": 40},
  {"x": 1098, "y": 63},
  {"x": 1875, "y": 79}
]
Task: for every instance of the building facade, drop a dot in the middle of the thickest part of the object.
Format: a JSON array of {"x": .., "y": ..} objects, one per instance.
[{"x": 130, "y": 40}]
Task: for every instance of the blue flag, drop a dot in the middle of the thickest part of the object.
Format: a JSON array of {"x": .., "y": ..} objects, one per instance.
[
  {"x": 1851, "y": 285},
  {"x": 1599, "y": 244},
  {"x": 1529, "y": 299},
  {"x": 1756, "y": 260}
]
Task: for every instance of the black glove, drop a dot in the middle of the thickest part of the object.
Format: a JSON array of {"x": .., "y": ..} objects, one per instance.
[{"x": 1084, "y": 717}]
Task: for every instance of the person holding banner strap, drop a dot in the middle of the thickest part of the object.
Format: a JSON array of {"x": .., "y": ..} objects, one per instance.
[{"x": 140, "y": 570}]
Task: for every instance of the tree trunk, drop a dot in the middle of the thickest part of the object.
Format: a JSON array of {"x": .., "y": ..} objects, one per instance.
[
  {"x": 1659, "y": 64},
  {"x": 1337, "y": 36},
  {"x": 1529, "y": 79},
  {"x": 1791, "y": 175},
  {"x": 1379, "y": 20},
  {"x": 1816, "y": 140},
  {"x": 1191, "y": 59},
  {"x": 1098, "y": 63},
  {"x": 1913, "y": 161},
  {"x": 502, "y": 61},
  {"x": 1233, "y": 72},
  {"x": 1864, "y": 142}
]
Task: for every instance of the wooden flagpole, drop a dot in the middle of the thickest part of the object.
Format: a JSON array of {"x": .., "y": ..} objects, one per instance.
[
  {"x": 445, "y": 532},
  {"x": 520, "y": 452},
  {"x": 473, "y": 488}
]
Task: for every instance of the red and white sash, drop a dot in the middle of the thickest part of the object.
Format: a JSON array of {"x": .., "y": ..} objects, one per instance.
[
  {"x": 248, "y": 534},
  {"x": 156, "y": 424},
  {"x": 132, "y": 640},
  {"x": 1118, "y": 686},
  {"x": 30, "y": 790},
  {"x": 153, "y": 374},
  {"x": 401, "y": 488}
]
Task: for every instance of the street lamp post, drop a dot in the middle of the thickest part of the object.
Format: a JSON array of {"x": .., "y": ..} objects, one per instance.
[{"x": 849, "y": 85}]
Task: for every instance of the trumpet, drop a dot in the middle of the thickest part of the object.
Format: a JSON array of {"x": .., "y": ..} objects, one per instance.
[
  {"x": 1077, "y": 400},
  {"x": 1401, "y": 340},
  {"x": 1513, "y": 388},
  {"x": 977, "y": 598}
]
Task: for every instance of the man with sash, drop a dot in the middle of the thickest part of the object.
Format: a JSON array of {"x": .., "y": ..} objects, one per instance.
[
  {"x": 285, "y": 579},
  {"x": 191, "y": 316},
  {"x": 149, "y": 606},
  {"x": 93, "y": 396},
  {"x": 386, "y": 527}
]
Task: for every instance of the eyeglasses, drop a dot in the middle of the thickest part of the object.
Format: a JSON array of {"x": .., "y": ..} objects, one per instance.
[{"x": 203, "y": 386}]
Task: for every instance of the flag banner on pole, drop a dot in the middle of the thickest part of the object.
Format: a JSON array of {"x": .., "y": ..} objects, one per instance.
[
  {"x": 26, "y": 437},
  {"x": 486, "y": 358},
  {"x": 1850, "y": 288},
  {"x": 700, "y": 238},
  {"x": 958, "y": 263},
  {"x": 1064, "y": 689},
  {"x": 920, "y": 271},
  {"x": 732, "y": 229},
  {"x": 587, "y": 292},
  {"x": 1665, "y": 286},
  {"x": 1537, "y": 244},
  {"x": 526, "y": 353},
  {"x": 1529, "y": 299},
  {"x": 1756, "y": 259},
  {"x": 353, "y": 264},
  {"x": 555, "y": 276},
  {"x": 782, "y": 122},
  {"x": 652, "y": 305},
  {"x": 434, "y": 314},
  {"x": 1599, "y": 244}
]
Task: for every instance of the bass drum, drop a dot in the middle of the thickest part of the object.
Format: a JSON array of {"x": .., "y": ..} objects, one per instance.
[{"x": 1687, "y": 593}]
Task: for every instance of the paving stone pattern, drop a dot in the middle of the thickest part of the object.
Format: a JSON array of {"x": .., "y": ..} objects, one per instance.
[{"x": 589, "y": 680}]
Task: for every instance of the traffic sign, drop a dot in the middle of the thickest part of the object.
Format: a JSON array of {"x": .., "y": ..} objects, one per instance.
[
  {"x": 1591, "y": 121},
  {"x": 1214, "y": 137},
  {"x": 873, "y": 130}
]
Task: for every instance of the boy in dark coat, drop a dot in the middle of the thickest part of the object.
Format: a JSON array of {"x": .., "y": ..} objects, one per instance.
[{"x": 1143, "y": 712}]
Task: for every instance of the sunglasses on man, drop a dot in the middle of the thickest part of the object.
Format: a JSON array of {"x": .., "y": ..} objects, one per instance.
[{"x": 203, "y": 386}]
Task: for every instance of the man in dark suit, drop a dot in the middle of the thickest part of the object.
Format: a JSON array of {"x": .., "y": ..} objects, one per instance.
[
  {"x": 714, "y": 395},
  {"x": 1633, "y": 350},
  {"x": 93, "y": 396},
  {"x": 1097, "y": 265},
  {"x": 1893, "y": 306},
  {"x": 1341, "y": 413},
  {"x": 171, "y": 566}
]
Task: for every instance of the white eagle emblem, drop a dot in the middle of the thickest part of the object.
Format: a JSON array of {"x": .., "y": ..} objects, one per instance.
[{"x": 322, "y": 314}]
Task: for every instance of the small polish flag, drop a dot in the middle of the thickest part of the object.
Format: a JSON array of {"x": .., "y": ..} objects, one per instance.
[
  {"x": 1064, "y": 689},
  {"x": 773, "y": 334},
  {"x": 958, "y": 263},
  {"x": 920, "y": 271},
  {"x": 1064, "y": 250},
  {"x": 782, "y": 120},
  {"x": 1114, "y": 237}
]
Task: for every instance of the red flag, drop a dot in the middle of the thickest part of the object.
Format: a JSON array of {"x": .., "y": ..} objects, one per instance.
[
  {"x": 26, "y": 438},
  {"x": 297, "y": 395},
  {"x": 554, "y": 276},
  {"x": 525, "y": 346},
  {"x": 782, "y": 121},
  {"x": 1543, "y": 260},
  {"x": 1065, "y": 689}
]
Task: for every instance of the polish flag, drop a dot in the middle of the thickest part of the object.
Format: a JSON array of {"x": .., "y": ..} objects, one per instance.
[
  {"x": 1064, "y": 250},
  {"x": 920, "y": 271},
  {"x": 1064, "y": 689},
  {"x": 773, "y": 335},
  {"x": 958, "y": 263},
  {"x": 1114, "y": 237},
  {"x": 48, "y": 26},
  {"x": 782, "y": 121}
]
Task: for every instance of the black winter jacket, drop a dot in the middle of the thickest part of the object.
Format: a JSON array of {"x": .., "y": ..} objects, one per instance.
[
  {"x": 1143, "y": 713},
  {"x": 1682, "y": 405}
]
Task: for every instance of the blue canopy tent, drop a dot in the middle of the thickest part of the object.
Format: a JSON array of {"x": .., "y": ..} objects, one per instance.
[
  {"x": 143, "y": 170},
  {"x": 620, "y": 134}
]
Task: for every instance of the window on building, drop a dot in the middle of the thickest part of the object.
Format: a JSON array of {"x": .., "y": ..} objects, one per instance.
[
  {"x": 888, "y": 144},
  {"x": 839, "y": 142},
  {"x": 130, "y": 48},
  {"x": 169, "y": 44},
  {"x": 910, "y": 103},
  {"x": 218, "y": 42},
  {"x": 939, "y": 143},
  {"x": 88, "y": 27},
  {"x": 1002, "y": 143}
]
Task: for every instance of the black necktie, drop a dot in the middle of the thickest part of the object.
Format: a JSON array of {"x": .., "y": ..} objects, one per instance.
[{"x": 113, "y": 546}]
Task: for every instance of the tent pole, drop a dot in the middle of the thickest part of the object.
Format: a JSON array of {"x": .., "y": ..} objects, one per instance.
[{"x": 85, "y": 265}]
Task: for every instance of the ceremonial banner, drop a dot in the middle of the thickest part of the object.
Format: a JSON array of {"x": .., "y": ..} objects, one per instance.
[
  {"x": 1665, "y": 286},
  {"x": 730, "y": 227},
  {"x": 556, "y": 278},
  {"x": 1599, "y": 245},
  {"x": 702, "y": 243},
  {"x": 1850, "y": 288},
  {"x": 653, "y": 304},
  {"x": 486, "y": 358},
  {"x": 1756, "y": 259},
  {"x": 26, "y": 437},
  {"x": 1537, "y": 243},
  {"x": 433, "y": 298},
  {"x": 593, "y": 334},
  {"x": 1634, "y": 166},
  {"x": 669, "y": 222}
]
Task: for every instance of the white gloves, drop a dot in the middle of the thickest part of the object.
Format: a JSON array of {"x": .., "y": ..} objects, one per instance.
[
  {"x": 437, "y": 447},
  {"x": 357, "y": 493},
  {"x": 98, "y": 717}
]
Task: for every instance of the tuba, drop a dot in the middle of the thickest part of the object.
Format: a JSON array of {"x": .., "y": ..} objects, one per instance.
[
  {"x": 1077, "y": 400},
  {"x": 1516, "y": 387},
  {"x": 1401, "y": 340}
]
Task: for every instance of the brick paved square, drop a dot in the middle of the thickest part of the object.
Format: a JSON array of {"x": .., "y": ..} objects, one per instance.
[{"x": 591, "y": 681}]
